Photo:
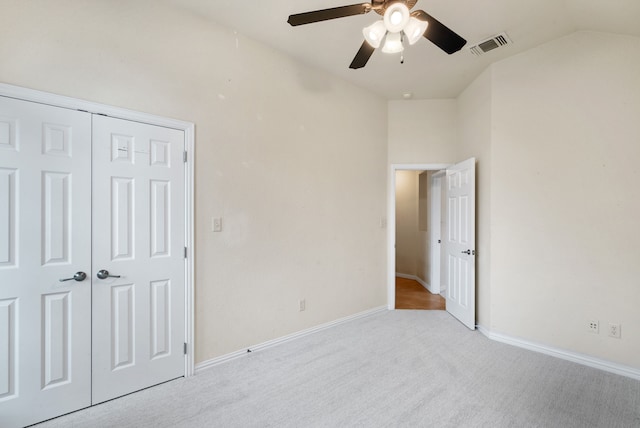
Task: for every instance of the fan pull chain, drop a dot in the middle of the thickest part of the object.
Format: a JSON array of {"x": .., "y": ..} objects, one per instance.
[{"x": 402, "y": 58}]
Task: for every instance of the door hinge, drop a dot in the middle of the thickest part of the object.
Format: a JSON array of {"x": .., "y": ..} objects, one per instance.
[
  {"x": 184, "y": 156},
  {"x": 185, "y": 348},
  {"x": 185, "y": 252}
]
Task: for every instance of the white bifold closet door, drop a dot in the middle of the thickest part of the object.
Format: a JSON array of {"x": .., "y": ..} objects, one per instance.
[
  {"x": 45, "y": 223},
  {"x": 138, "y": 237},
  {"x": 69, "y": 339}
]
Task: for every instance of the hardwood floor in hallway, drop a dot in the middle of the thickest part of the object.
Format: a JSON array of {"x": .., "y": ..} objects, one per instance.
[{"x": 410, "y": 294}]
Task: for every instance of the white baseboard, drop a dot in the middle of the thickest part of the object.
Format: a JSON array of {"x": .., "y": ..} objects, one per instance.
[
  {"x": 575, "y": 357},
  {"x": 418, "y": 279},
  {"x": 237, "y": 354}
]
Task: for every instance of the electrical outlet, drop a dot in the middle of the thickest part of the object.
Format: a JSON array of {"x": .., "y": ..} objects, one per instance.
[
  {"x": 302, "y": 305},
  {"x": 614, "y": 330},
  {"x": 593, "y": 327}
]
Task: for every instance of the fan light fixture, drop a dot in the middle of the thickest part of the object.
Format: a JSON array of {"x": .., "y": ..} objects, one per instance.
[
  {"x": 374, "y": 33},
  {"x": 415, "y": 29},
  {"x": 396, "y": 25},
  {"x": 396, "y": 17},
  {"x": 393, "y": 43},
  {"x": 397, "y": 21}
]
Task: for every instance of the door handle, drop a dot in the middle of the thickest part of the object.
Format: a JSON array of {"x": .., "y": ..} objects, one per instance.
[
  {"x": 469, "y": 252},
  {"x": 104, "y": 274},
  {"x": 78, "y": 276}
]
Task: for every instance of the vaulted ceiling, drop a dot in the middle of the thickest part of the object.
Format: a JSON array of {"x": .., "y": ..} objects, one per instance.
[{"x": 427, "y": 71}]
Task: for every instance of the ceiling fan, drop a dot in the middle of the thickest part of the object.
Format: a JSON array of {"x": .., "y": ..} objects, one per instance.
[{"x": 397, "y": 24}]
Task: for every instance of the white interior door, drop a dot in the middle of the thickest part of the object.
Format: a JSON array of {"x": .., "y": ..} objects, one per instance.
[
  {"x": 45, "y": 224},
  {"x": 460, "y": 242},
  {"x": 139, "y": 238}
]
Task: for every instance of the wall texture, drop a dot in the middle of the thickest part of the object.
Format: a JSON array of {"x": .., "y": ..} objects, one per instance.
[
  {"x": 565, "y": 200},
  {"x": 422, "y": 131},
  {"x": 423, "y": 262},
  {"x": 301, "y": 201},
  {"x": 407, "y": 237},
  {"x": 474, "y": 130}
]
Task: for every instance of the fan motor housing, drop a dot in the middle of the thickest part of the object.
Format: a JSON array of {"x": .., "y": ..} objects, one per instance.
[{"x": 380, "y": 6}]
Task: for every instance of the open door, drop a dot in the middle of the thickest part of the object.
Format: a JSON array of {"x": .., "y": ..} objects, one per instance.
[{"x": 460, "y": 241}]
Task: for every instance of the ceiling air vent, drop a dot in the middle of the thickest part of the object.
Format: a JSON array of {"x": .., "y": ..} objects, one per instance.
[{"x": 490, "y": 44}]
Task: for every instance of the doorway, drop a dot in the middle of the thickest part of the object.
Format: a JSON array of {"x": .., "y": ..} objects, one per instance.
[
  {"x": 457, "y": 246},
  {"x": 417, "y": 227}
]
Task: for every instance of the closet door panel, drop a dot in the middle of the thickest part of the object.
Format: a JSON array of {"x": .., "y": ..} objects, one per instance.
[
  {"x": 139, "y": 238},
  {"x": 45, "y": 237}
]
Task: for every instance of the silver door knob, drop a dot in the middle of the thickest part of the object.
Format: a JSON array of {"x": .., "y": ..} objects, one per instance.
[
  {"x": 104, "y": 274},
  {"x": 78, "y": 276}
]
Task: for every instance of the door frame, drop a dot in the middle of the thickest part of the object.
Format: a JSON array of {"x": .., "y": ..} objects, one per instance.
[
  {"x": 391, "y": 223},
  {"x": 435, "y": 223},
  {"x": 32, "y": 95}
]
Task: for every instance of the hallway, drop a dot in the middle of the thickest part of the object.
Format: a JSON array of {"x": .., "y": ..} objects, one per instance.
[{"x": 410, "y": 294}]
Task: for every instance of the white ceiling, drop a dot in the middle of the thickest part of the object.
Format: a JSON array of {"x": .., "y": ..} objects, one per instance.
[{"x": 427, "y": 71}]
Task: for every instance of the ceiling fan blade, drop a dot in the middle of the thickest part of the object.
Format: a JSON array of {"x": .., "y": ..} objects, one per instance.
[
  {"x": 326, "y": 14},
  {"x": 438, "y": 33},
  {"x": 363, "y": 55}
]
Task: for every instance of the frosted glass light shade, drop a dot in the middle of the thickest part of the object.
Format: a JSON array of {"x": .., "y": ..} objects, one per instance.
[
  {"x": 374, "y": 33},
  {"x": 415, "y": 29},
  {"x": 393, "y": 43},
  {"x": 396, "y": 17}
]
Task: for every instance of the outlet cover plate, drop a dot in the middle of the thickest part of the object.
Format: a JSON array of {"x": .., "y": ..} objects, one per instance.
[{"x": 614, "y": 330}]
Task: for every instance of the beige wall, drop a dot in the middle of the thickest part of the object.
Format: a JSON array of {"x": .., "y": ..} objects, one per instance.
[
  {"x": 565, "y": 200},
  {"x": 474, "y": 129},
  {"x": 422, "y": 131},
  {"x": 407, "y": 234},
  {"x": 301, "y": 201},
  {"x": 423, "y": 261}
]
